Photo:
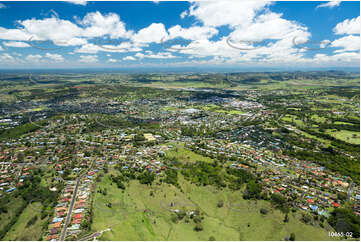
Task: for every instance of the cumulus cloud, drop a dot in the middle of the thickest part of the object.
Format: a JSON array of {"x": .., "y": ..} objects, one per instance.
[
  {"x": 17, "y": 44},
  {"x": 55, "y": 57},
  {"x": 348, "y": 43},
  {"x": 79, "y": 2},
  {"x": 66, "y": 33},
  {"x": 129, "y": 58},
  {"x": 5, "y": 58},
  {"x": 153, "y": 33},
  {"x": 104, "y": 47},
  {"x": 99, "y": 25},
  {"x": 348, "y": 26},
  {"x": 160, "y": 55},
  {"x": 330, "y": 4},
  {"x": 270, "y": 26},
  {"x": 112, "y": 60},
  {"x": 33, "y": 58},
  {"x": 220, "y": 13},
  {"x": 340, "y": 57},
  {"x": 13, "y": 34},
  {"x": 192, "y": 33},
  {"x": 183, "y": 14},
  {"x": 88, "y": 59},
  {"x": 51, "y": 29}
]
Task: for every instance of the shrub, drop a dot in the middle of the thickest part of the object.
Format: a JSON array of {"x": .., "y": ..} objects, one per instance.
[
  {"x": 292, "y": 237},
  {"x": 198, "y": 227},
  {"x": 263, "y": 211}
]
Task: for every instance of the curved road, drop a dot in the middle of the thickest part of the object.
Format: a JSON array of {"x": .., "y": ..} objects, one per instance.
[{"x": 68, "y": 217}]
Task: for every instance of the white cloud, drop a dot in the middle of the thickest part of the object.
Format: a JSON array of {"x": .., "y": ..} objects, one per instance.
[
  {"x": 183, "y": 14},
  {"x": 341, "y": 57},
  {"x": 79, "y": 2},
  {"x": 330, "y": 4},
  {"x": 160, "y": 55},
  {"x": 13, "y": 34},
  {"x": 270, "y": 26},
  {"x": 55, "y": 57},
  {"x": 192, "y": 33},
  {"x": 112, "y": 60},
  {"x": 51, "y": 29},
  {"x": 99, "y": 46},
  {"x": 324, "y": 43},
  {"x": 348, "y": 26},
  {"x": 153, "y": 33},
  {"x": 348, "y": 43},
  {"x": 88, "y": 59},
  {"x": 129, "y": 58},
  {"x": 67, "y": 33},
  {"x": 5, "y": 58},
  {"x": 99, "y": 25},
  {"x": 34, "y": 58},
  {"x": 2, "y": 5},
  {"x": 232, "y": 13},
  {"x": 17, "y": 44}
]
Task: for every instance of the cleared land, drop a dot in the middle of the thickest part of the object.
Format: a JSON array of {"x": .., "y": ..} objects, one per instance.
[{"x": 135, "y": 214}]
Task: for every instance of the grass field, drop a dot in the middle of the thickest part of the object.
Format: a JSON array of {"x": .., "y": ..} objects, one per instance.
[
  {"x": 12, "y": 209},
  {"x": 220, "y": 109},
  {"x": 20, "y": 230},
  {"x": 318, "y": 119},
  {"x": 345, "y": 135},
  {"x": 136, "y": 215},
  {"x": 185, "y": 155},
  {"x": 293, "y": 118}
]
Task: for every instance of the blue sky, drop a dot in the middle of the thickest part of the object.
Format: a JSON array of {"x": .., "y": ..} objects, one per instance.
[{"x": 244, "y": 34}]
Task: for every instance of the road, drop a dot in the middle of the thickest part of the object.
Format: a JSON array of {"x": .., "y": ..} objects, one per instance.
[
  {"x": 68, "y": 217},
  {"x": 94, "y": 235},
  {"x": 349, "y": 192}
]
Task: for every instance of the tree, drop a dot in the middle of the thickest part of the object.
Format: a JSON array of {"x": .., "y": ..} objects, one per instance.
[
  {"x": 198, "y": 227},
  {"x": 174, "y": 218},
  {"x": 220, "y": 203},
  {"x": 285, "y": 220},
  {"x": 181, "y": 214},
  {"x": 263, "y": 211},
  {"x": 344, "y": 220},
  {"x": 85, "y": 224},
  {"x": 306, "y": 218},
  {"x": 292, "y": 237},
  {"x": 212, "y": 238},
  {"x": 253, "y": 190},
  {"x": 20, "y": 157}
]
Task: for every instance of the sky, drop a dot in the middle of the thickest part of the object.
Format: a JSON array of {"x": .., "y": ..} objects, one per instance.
[{"x": 205, "y": 34}]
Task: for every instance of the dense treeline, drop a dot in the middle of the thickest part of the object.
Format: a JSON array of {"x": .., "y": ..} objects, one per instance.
[
  {"x": 13, "y": 220},
  {"x": 20, "y": 130},
  {"x": 344, "y": 220},
  {"x": 31, "y": 191},
  {"x": 171, "y": 177},
  {"x": 238, "y": 177},
  {"x": 202, "y": 173},
  {"x": 334, "y": 162}
]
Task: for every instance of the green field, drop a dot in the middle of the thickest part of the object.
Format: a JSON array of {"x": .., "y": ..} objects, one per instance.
[
  {"x": 20, "y": 230},
  {"x": 136, "y": 215},
  {"x": 185, "y": 155},
  {"x": 12, "y": 208},
  {"x": 345, "y": 135}
]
